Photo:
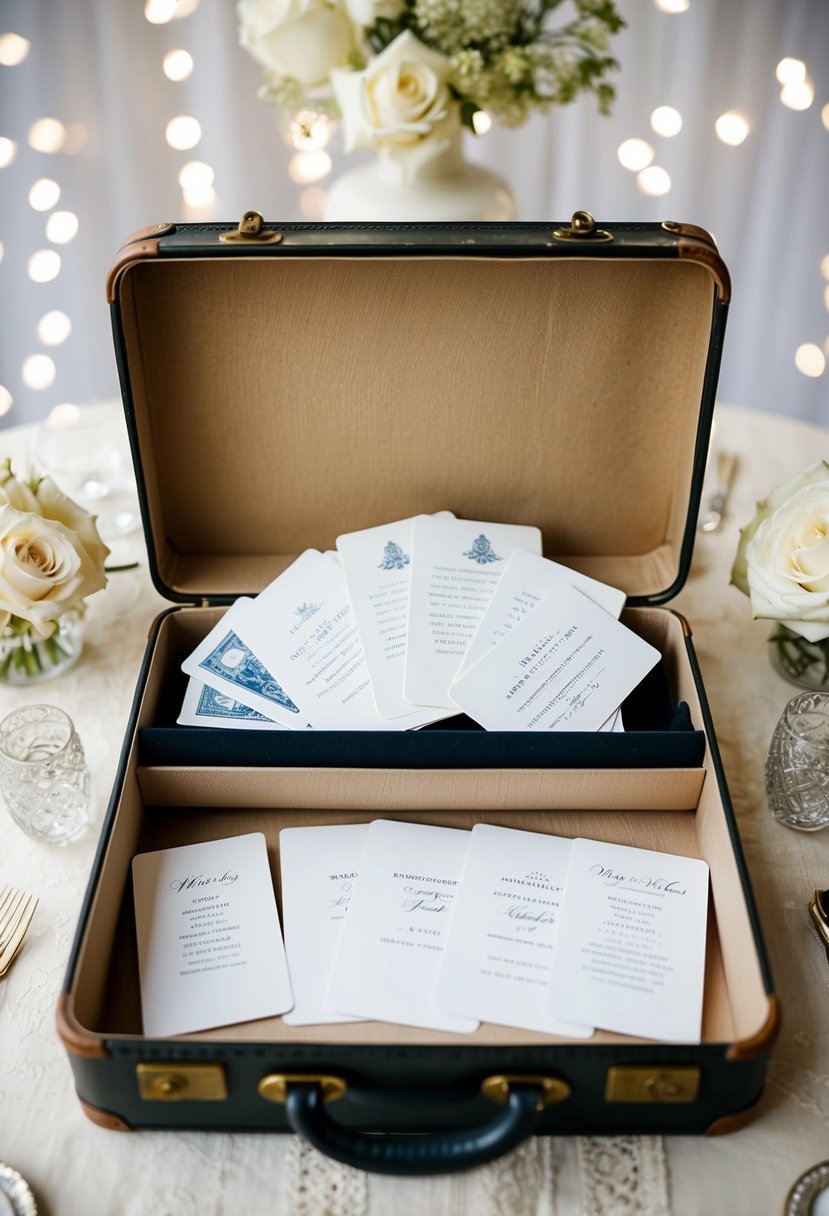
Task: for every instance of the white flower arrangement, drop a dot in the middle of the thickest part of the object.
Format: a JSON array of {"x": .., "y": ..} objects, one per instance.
[
  {"x": 399, "y": 71},
  {"x": 782, "y": 564},
  {"x": 51, "y": 559}
]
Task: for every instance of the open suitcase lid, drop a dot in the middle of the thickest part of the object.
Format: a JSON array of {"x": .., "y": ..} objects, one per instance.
[{"x": 289, "y": 385}]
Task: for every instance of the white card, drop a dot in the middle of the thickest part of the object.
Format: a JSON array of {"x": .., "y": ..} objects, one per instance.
[
  {"x": 210, "y": 951},
  {"x": 319, "y": 868},
  {"x": 393, "y": 937},
  {"x": 498, "y": 957},
  {"x": 206, "y": 706},
  {"x": 456, "y": 567},
  {"x": 224, "y": 662},
  {"x": 567, "y": 665},
  {"x": 302, "y": 628},
  {"x": 630, "y": 952},
  {"x": 378, "y": 569},
  {"x": 528, "y": 580}
]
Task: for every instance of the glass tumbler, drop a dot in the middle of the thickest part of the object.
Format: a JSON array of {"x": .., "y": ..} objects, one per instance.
[
  {"x": 797, "y": 766},
  {"x": 43, "y": 774}
]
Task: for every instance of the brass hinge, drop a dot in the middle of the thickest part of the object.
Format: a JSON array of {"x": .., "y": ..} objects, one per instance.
[
  {"x": 175, "y": 1082},
  {"x": 250, "y": 231},
  {"x": 633, "y": 1083},
  {"x": 582, "y": 228}
]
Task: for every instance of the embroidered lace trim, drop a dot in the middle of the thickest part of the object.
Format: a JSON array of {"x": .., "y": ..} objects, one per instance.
[{"x": 624, "y": 1176}]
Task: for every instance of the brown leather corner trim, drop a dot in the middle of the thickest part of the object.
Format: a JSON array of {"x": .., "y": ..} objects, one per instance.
[
  {"x": 693, "y": 230},
  {"x": 142, "y": 234},
  {"x": 707, "y": 256},
  {"x": 125, "y": 257},
  {"x": 762, "y": 1042},
  {"x": 73, "y": 1040},
  {"x": 733, "y": 1123},
  {"x": 104, "y": 1118},
  {"x": 684, "y": 622}
]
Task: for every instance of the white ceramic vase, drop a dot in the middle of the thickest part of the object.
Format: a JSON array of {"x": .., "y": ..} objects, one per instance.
[{"x": 430, "y": 182}]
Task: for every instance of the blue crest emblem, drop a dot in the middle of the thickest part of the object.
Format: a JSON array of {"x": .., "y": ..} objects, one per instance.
[
  {"x": 482, "y": 552},
  {"x": 306, "y": 611},
  {"x": 393, "y": 558}
]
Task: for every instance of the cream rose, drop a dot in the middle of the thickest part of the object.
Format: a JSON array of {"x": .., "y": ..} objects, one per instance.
[
  {"x": 51, "y": 556},
  {"x": 782, "y": 560},
  {"x": 366, "y": 12},
  {"x": 303, "y": 39},
  {"x": 401, "y": 98}
]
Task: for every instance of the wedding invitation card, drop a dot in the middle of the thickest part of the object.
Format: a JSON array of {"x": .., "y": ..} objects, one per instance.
[
  {"x": 528, "y": 580},
  {"x": 210, "y": 949},
  {"x": 393, "y": 937},
  {"x": 566, "y": 665},
  {"x": 378, "y": 571},
  {"x": 458, "y": 564},
  {"x": 498, "y": 955},
  {"x": 206, "y": 706},
  {"x": 319, "y": 867},
  {"x": 630, "y": 950},
  {"x": 224, "y": 662}
]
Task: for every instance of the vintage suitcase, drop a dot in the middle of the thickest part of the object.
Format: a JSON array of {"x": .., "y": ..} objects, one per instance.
[{"x": 285, "y": 384}]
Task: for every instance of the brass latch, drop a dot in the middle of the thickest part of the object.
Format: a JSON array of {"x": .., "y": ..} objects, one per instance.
[
  {"x": 582, "y": 228},
  {"x": 553, "y": 1089},
  {"x": 633, "y": 1083},
  {"x": 274, "y": 1087},
  {"x": 175, "y": 1082},
  {"x": 250, "y": 230}
]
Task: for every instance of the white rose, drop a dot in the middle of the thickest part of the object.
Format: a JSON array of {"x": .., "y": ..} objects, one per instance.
[
  {"x": 782, "y": 560},
  {"x": 51, "y": 558},
  {"x": 303, "y": 39},
  {"x": 16, "y": 492},
  {"x": 366, "y": 12},
  {"x": 401, "y": 98}
]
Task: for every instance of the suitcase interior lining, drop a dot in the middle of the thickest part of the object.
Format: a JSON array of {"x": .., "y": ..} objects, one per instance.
[
  {"x": 104, "y": 998},
  {"x": 309, "y": 393}
]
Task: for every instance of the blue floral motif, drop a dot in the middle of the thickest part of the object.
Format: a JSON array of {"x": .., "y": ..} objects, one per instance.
[
  {"x": 394, "y": 558},
  {"x": 482, "y": 552},
  {"x": 306, "y": 611}
]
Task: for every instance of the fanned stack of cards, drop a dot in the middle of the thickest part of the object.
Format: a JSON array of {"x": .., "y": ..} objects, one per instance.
[
  {"x": 412, "y": 622},
  {"x": 442, "y": 929}
]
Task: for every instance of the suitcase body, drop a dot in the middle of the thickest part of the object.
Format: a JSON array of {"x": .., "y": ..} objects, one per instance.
[{"x": 283, "y": 387}]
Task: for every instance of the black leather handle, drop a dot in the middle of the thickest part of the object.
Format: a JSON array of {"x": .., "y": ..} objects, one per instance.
[{"x": 429, "y": 1153}]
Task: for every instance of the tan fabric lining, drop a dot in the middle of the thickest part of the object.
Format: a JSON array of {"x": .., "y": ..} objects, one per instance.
[
  {"x": 104, "y": 997},
  {"x": 309, "y": 392},
  {"x": 379, "y": 790}
]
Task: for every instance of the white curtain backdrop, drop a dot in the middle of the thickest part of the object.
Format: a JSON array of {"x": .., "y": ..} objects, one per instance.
[{"x": 97, "y": 64}]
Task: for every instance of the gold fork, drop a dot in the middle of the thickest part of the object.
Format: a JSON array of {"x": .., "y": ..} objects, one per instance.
[{"x": 16, "y": 912}]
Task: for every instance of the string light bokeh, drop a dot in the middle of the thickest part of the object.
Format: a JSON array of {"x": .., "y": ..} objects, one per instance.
[{"x": 741, "y": 147}]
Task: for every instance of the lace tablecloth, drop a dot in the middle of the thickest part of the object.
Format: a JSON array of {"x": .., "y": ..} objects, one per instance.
[{"x": 78, "y": 1169}]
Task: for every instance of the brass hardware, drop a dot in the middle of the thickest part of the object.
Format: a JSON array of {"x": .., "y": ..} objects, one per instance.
[
  {"x": 671, "y": 226},
  {"x": 553, "y": 1089},
  {"x": 274, "y": 1087},
  {"x": 632, "y": 1083},
  {"x": 582, "y": 228},
  {"x": 250, "y": 230},
  {"x": 167, "y": 226},
  {"x": 174, "y": 1082}
]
